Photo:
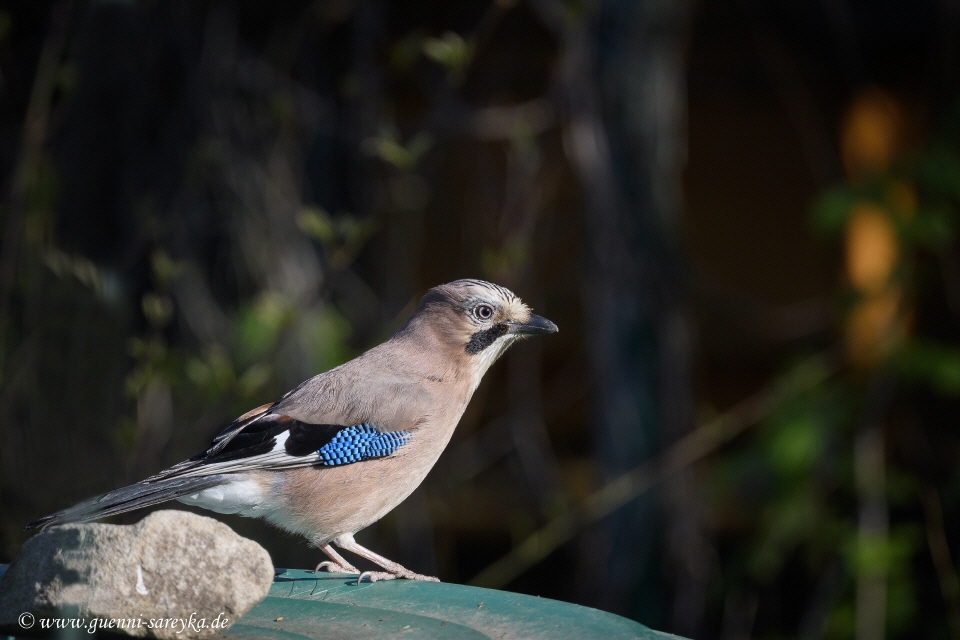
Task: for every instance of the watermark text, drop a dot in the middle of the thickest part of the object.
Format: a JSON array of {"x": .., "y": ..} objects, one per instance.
[{"x": 192, "y": 624}]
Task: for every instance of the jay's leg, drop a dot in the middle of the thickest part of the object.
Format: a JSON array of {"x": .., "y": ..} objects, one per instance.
[
  {"x": 393, "y": 570},
  {"x": 336, "y": 564}
]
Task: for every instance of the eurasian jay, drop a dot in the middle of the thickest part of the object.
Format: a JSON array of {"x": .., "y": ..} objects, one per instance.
[{"x": 345, "y": 447}]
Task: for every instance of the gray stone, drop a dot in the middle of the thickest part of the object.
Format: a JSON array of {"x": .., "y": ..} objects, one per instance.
[{"x": 161, "y": 576}]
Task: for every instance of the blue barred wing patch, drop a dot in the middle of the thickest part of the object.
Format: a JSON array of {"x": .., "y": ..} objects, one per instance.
[{"x": 361, "y": 442}]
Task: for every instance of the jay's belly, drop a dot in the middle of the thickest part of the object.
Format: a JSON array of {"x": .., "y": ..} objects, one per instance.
[{"x": 322, "y": 503}]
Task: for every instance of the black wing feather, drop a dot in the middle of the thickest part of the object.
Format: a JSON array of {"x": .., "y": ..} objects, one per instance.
[
  {"x": 253, "y": 434},
  {"x": 305, "y": 438},
  {"x": 135, "y": 496},
  {"x": 253, "y": 439},
  {"x": 250, "y": 422}
]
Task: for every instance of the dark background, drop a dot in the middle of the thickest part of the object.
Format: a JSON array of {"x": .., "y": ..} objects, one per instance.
[{"x": 742, "y": 215}]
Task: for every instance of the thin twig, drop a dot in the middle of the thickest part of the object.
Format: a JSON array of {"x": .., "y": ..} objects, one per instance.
[{"x": 698, "y": 444}]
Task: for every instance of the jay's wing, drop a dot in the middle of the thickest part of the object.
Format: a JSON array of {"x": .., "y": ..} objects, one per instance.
[
  {"x": 266, "y": 439},
  {"x": 342, "y": 416}
]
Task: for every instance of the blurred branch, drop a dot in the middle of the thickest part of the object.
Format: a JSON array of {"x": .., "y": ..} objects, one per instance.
[
  {"x": 700, "y": 443},
  {"x": 530, "y": 118},
  {"x": 950, "y": 270},
  {"x": 465, "y": 460},
  {"x": 873, "y": 527},
  {"x": 940, "y": 554},
  {"x": 621, "y": 91},
  {"x": 35, "y": 125},
  {"x": 798, "y": 102}
]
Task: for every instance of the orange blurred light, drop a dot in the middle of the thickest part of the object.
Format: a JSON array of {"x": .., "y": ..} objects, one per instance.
[
  {"x": 871, "y": 248},
  {"x": 870, "y": 133}
]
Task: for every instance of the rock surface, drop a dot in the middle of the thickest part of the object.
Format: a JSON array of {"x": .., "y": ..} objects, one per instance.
[{"x": 174, "y": 574}]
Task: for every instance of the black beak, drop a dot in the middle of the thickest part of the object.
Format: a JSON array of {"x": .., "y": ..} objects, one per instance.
[{"x": 534, "y": 325}]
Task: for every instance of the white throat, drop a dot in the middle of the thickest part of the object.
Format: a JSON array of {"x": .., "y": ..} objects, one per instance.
[{"x": 485, "y": 359}]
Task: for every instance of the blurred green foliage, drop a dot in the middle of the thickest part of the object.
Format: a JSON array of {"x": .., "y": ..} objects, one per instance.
[
  {"x": 452, "y": 52},
  {"x": 792, "y": 491}
]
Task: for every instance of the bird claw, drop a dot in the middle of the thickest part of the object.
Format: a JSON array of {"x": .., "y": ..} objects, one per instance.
[
  {"x": 334, "y": 567},
  {"x": 375, "y": 576}
]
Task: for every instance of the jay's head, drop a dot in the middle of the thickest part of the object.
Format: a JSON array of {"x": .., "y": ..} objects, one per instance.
[{"x": 479, "y": 318}]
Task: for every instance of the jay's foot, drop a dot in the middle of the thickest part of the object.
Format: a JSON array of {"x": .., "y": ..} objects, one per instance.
[
  {"x": 336, "y": 567},
  {"x": 374, "y": 576},
  {"x": 392, "y": 569}
]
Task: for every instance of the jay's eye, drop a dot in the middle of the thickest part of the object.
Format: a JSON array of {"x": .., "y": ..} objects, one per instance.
[{"x": 483, "y": 311}]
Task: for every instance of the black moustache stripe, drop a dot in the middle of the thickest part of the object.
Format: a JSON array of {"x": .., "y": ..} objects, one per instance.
[{"x": 483, "y": 339}]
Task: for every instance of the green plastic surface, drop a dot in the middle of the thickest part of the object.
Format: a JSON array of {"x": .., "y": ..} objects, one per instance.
[
  {"x": 308, "y": 605},
  {"x": 303, "y": 604}
]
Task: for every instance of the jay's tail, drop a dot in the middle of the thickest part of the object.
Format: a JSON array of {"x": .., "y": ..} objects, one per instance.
[{"x": 135, "y": 496}]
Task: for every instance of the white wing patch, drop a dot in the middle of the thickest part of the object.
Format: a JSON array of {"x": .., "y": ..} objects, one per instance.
[{"x": 276, "y": 458}]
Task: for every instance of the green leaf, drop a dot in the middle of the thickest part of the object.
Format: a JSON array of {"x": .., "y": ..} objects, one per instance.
[
  {"x": 388, "y": 147},
  {"x": 452, "y": 52},
  {"x": 157, "y": 309},
  {"x": 164, "y": 267},
  {"x": 316, "y": 223},
  {"x": 831, "y": 211},
  {"x": 260, "y": 324},
  {"x": 933, "y": 228},
  {"x": 795, "y": 445},
  {"x": 939, "y": 171},
  {"x": 324, "y": 333},
  {"x": 254, "y": 378},
  {"x": 933, "y": 364},
  {"x": 85, "y": 271}
]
